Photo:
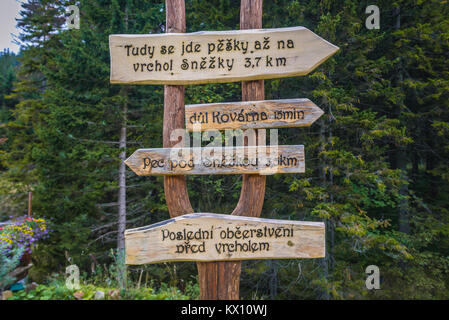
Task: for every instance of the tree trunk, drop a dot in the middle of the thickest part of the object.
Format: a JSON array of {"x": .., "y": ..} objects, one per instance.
[
  {"x": 122, "y": 188},
  {"x": 322, "y": 174},
  {"x": 122, "y": 201},
  {"x": 273, "y": 279}
]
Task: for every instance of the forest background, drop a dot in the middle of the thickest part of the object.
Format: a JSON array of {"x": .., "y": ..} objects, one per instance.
[{"x": 376, "y": 162}]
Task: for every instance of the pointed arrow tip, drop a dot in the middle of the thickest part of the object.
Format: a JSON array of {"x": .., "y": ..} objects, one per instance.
[
  {"x": 128, "y": 161},
  {"x": 319, "y": 112}
]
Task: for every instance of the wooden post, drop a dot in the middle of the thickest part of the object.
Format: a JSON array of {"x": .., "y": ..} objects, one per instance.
[
  {"x": 30, "y": 200},
  {"x": 218, "y": 280},
  {"x": 175, "y": 187},
  {"x": 253, "y": 186},
  {"x": 221, "y": 280}
]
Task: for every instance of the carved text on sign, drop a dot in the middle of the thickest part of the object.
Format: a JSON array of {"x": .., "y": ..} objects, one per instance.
[
  {"x": 218, "y": 160},
  {"x": 252, "y": 114},
  {"x": 209, "y": 237},
  {"x": 216, "y": 56}
]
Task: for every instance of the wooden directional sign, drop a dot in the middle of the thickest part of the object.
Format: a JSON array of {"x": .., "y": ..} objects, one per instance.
[
  {"x": 218, "y": 160},
  {"x": 211, "y": 237},
  {"x": 216, "y": 56},
  {"x": 252, "y": 114}
]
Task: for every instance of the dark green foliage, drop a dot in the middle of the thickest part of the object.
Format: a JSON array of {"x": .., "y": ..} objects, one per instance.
[
  {"x": 7, "y": 264},
  {"x": 8, "y": 65}
]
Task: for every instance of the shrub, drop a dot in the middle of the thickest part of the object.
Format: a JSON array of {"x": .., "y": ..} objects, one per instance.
[
  {"x": 8, "y": 262},
  {"x": 58, "y": 291}
]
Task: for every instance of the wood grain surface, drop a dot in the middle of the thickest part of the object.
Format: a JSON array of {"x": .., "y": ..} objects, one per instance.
[
  {"x": 221, "y": 160},
  {"x": 216, "y": 56},
  {"x": 252, "y": 114},
  {"x": 215, "y": 237}
]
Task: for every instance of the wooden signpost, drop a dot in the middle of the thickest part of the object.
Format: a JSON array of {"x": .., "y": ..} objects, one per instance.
[
  {"x": 218, "y": 242},
  {"x": 252, "y": 114},
  {"x": 215, "y": 237}
]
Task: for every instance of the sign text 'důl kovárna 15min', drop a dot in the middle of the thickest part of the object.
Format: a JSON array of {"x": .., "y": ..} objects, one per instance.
[{"x": 252, "y": 114}]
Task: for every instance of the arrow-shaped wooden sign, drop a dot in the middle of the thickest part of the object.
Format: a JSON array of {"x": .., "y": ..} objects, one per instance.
[
  {"x": 252, "y": 114},
  {"x": 218, "y": 160},
  {"x": 216, "y": 56},
  {"x": 212, "y": 237}
]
